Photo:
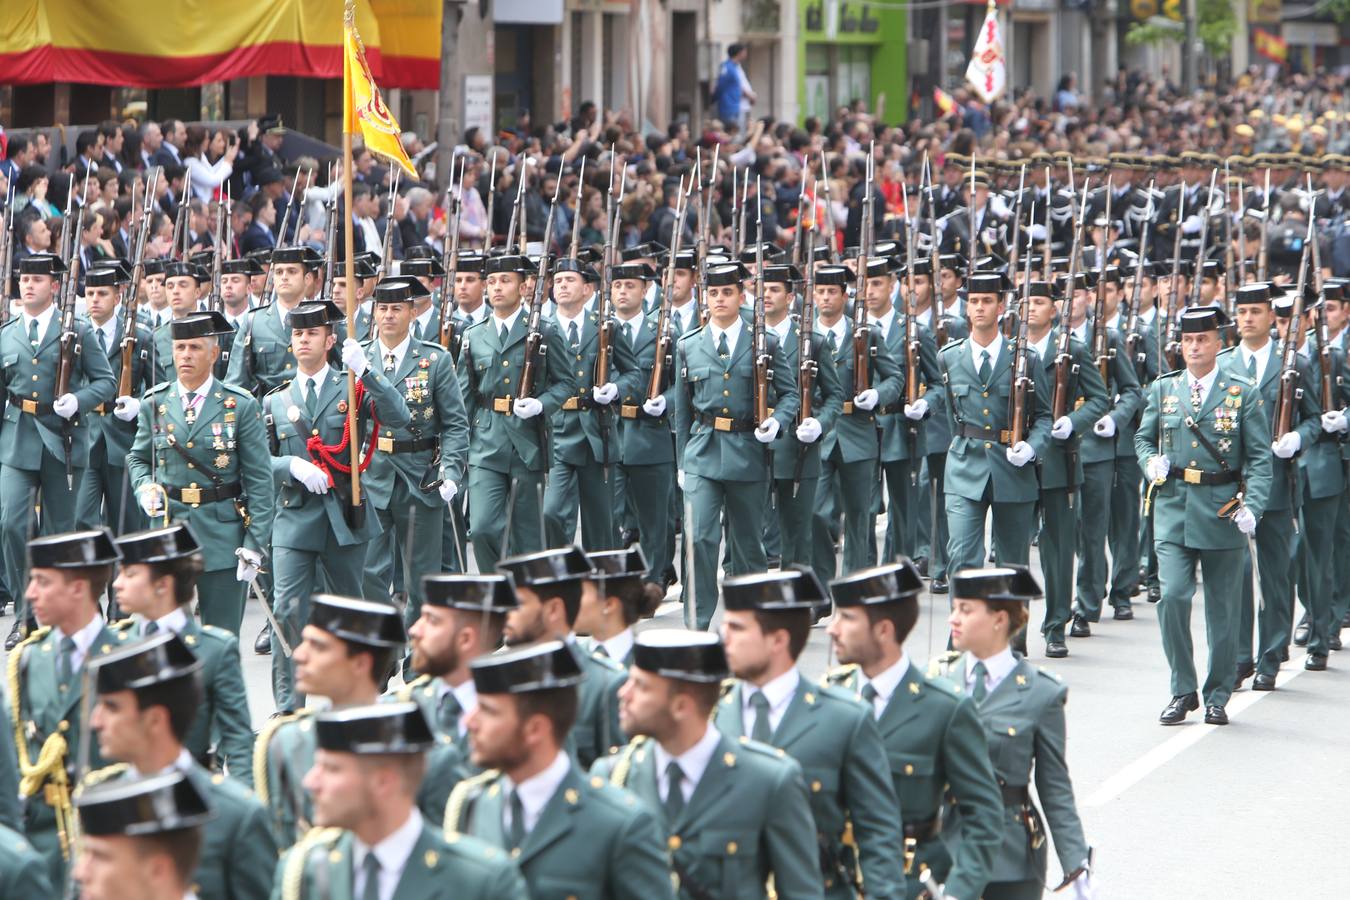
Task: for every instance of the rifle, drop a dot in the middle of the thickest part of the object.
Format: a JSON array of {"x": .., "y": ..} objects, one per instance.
[
  {"x": 1242, "y": 232},
  {"x": 1047, "y": 261},
  {"x": 450, "y": 265},
  {"x": 492, "y": 196},
  {"x": 806, "y": 363},
  {"x": 215, "y": 301},
  {"x": 911, "y": 342},
  {"x": 7, "y": 265},
  {"x": 1169, "y": 342},
  {"x": 132, "y": 300},
  {"x": 745, "y": 212},
  {"x": 605, "y": 308},
  {"x": 70, "y": 346},
  {"x": 665, "y": 340},
  {"x": 576, "y": 219},
  {"x": 1102, "y": 353},
  {"x": 972, "y": 251},
  {"x": 1229, "y": 264},
  {"x": 1263, "y": 250},
  {"x": 1285, "y": 401},
  {"x": 939, "y": 320},
  {"x": 862, "y": 331},
  {"x": 534, "y": 337},
  {"x": 759, "y": 330},
  {"x": 180, "y": 234},
  {"x": 1203, "y": 252},
  {"x": 1023, "y": 382},
  {"x": 267, "y": 284},
  {"x": 1132, "y": 333},
  {"x": 1014, "y": 254},
  {"x": 516, "y": 209},
  {"x": 704, "y": 235},
  {"x": 387, "y": 257},
  {"x": 330, "y": 238},
  {"x": 829, "y": 213},
  {"x": 1065, "y": 368}
]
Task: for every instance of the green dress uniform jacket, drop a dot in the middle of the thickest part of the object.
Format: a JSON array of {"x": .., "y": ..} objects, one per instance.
[
  {"x": 261, "y": 359},
  {"x": 1023, "y": 718},
  {"x": 643, "y": 440},
  {"x": 237, "y": 855},
  {"x": 596, "y": 732},
  {"x": 320, "y": 868},
  {"x": 22, "y": 871},
  {"x": 111, "y": 439},
  {"x": 592, "y": 839},
  {"x": 1321, "y": 461},
  {"x": 577, "y": 428},
  {"x": 223, "y": 716},
  {"x": 11, "y": 812},
  {"x": 855, "y": 433},
  {"x": 827, "y": 402},
  {"x": 935, "y": 745},
  {"x": 937, "y": 429},
  {"x": 1125, "y": 401},
  {"x": 835, "y": 740},
  {"x": 748, "y": 819},
  {"x": 1087, "y": 403},
  {"x": 895, "y": 443}
]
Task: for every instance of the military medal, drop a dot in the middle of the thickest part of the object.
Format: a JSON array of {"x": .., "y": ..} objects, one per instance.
[
  {"x": 425, "y": 363},
  {"x": 1225, "y": 445},
  {"x": 293, "y": 413},
  {"x": 163, "y": 409},
  {"x": 342, "y": 406},
  {"x": 222, "y": 460},
  {"x": 230, "y": 403},
  {"x": 429, "y": 413},
  {"x": 1169, "y": 404}
]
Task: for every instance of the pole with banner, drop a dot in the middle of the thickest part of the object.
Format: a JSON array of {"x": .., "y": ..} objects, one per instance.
[{"x": 987, "y": 73}]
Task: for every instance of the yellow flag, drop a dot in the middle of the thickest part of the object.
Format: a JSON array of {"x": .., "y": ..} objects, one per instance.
[{"x": 363, "y": 107}]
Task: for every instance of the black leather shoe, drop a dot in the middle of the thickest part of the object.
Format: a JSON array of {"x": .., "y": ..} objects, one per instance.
[
  {"x": 1315, "y": 662},
  {"x": 262, "y": 645},
  {"x": 1263, "y": 682},
  {"x": 1215, "y": 715},
  {"x": 1154, "y": 593},
  {"x": 1123, "y": 614},
  {"x": 629, "y": 536},
  {"x": 1245, "y": 670},
  {"x": 1056, "y": 649},
  {"x": 922, "y": 565},
  {"x": 1176, "y": 711},
  {"x": 1301, "y": 633},
  {"x": 1345, "y": 621},
  {"x": 14, "y": 637},
  {"x": 1284, "y": 654},
  {"x": 1334, "y": 640},
  {"x": 938, "y": 586},
  {"x": 1079, "y": 627}
]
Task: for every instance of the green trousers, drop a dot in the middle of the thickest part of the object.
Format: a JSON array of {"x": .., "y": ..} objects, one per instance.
[
  {"x": 1029, "y": 889},
  {"x": 1316, "y": 571},
  {"x": 20, "y": 491},
  {"x": 454, "y": 529},
  {"x": 845, "y": 489},
  {"x": 499, "y": 498},
  {"x": 1272, "y": 617},
  {"x": 1222, "y": 572},
  {"x": 1094, "y": 512},
  {"x": 743, "y": 504},
  {"x": 903, "y": 508},
  {"x": 794, "y": 519},
  {"x": 1058, "y": 522},
  {"x": 1012, "y": 527},
  {"x": 410, "y": 544},
  {"x": 1123, "y": 534},
  {"x": 932, "y": 518},
  {"x": 221, "y": 598},
  {"x": 298, "y": 574},
  {"x": 1341, "y": 583},
  {"x": 571, "y": 487},
  {"x": 105, "y": 495},
  {"x": 650, "y": 496}
]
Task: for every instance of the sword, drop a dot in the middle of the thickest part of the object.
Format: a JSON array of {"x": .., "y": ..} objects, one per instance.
[
  {"x": 930, "y": 884},
  {"x": 690, "y": 582},
  {"x": 271, "y": 618}
]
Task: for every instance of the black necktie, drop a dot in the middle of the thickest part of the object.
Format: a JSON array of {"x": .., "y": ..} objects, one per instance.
[
  {"x": 674, "y": 793},
  {"x": 722, "y": 349},
  {"x": 516, "y": 833},
  {"x": 762, "y": 730}
]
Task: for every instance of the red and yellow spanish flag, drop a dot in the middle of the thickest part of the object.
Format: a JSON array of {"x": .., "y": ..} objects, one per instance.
[
  {"x": 944, "y": 101},
  {"x": 363, "y": 108},
  {"x": 1270, "y": 45}
]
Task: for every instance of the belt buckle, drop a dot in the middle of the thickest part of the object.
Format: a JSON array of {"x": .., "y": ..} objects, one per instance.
[
  {"x": 911, "y": 850},
  {"x": 848, "y": 407},
  {"x": 722, "y": 423},
  {"x": 628, "y": 411},
  {"x": 571, "y": 403},
  {"x": 29, "y": 406},
  {"x": 1191, "y": 476},
  {"x": 192, "y": 494},
  {"x": 385, "y": 445},
  {"x": 501, "y": 404},
  {"x": 1005, "y": 436}
]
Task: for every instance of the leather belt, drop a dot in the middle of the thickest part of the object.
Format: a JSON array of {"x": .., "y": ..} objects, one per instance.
[
  {"x": 926, "y": 830},
  {"x": 984, "y": 434},
  {"x": 1014, "y": 795},
  {"x": 890, "y": 409},
  {"x": 32, "y": 407},
  {"x": 578, "y": 404},
  {"x": 851, "y": 410},
  {"x": 194, "y": 495},
  {"x": 389, "y": 445},
  {"x": 725, "y": 423},
  {"x": 1200, "y": 476},
  {"x": 634, "y": 411}
]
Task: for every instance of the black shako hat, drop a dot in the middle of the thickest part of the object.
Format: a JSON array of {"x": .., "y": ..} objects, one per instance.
[
  {"x": 375, "y": 729},
  {"x": 142, "y": 806},
  {"x": 365, "y": 622},
  {"x": 681, "y": 654},
  {"x": 889, "y": 583},
  {"x": 537, "y": 667},
  {"x": 472, "y": 593},
  {"x": 73, "y": 550}
]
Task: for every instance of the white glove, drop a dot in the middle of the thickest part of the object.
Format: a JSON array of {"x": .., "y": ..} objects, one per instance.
[
  {"x": 448, "y": 491},
  {"x": 767, "y": 432},
  {"x": 1020, "y": 454},
  {"x": 1104, "y": 427},
  {"x": 604, "y": 394},
  {"x": 998, "y": 207},
  {"x": 1191, "y": 225},
  {"x": 152, "y": 500},
  {"x": 655, "y": 407},
  {"x": 1334, "y": 421},
  {"x": 1288, "y": 445},
  {"x": 1037, "y": 232},
  {"x": 1062, "y": 428},
  {"x": 1245, "y": 520},
  {"x": 917, "y": 410},
  {"x": 867, "y": 400},
  {"x": 527, "y": 408},
  {"x": 354, "y": 358},
  {"x": 311, "y": 476},
  {"x": 250, "y": 563},
  {"x": 1082, "y": 888},
  {"x": 1157, "y": 468},
  {"x": 127, "y": 408},
  {"x": 679, "y": 478},
  {"x": 66, "y": 406},
  {"x": 809, "y": 431}
]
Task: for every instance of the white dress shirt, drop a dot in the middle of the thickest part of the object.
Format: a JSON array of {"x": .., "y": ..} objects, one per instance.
[
  {"x": 733, "y": 333},
  {"x": 634, "y": 324},
  {"x": 684, "y": 315},
  {"x": 994, "y": 350},
  {"x": 693, "y": 763},
  {"x": 392, "y": 853},
  {"x": 839, "y": 329},
  {"x": 1262, "y": 358},
  {"x": 44, "y": 320},
  {"x": 174, "y": 621},
  {"x": 109, "y": 328},
  {"x": 883, "y": 322},
  {"x": 1206, "y": 383},
  {"x": 319, "y": 378},
  {"x": 619, "y": 646},
  {"x": 423, "y": 319},
  {"x": 886, "y": 683},
  {"x": 498, "y": 323},
  {"x": 84, "y": 639},
  {"x": 201, "y": 392},
  {"x": 536, "y": 791},
  {"x": 996, "y": 668},
  {"x": 565, "y": 323},
  {"x": 466, "y": 695},
  {"x": 399, "y": 352},
  {"x": 782, "y": 328},
  {"x": 778, "y": 692}
]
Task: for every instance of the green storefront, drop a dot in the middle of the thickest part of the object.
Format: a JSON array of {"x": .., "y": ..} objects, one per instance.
[{"x": 851, "y": 50}]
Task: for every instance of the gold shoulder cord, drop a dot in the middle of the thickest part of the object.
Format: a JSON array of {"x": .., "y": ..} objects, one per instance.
[
  {"x": 48, "y": 774},
  {"x": 625, "y": 764},
  {"x": 454, "y": 807},
  {"x": 405, "y": 693},
  {"x": 260, "y": 747},
  {"x": 294, "y": 876}
]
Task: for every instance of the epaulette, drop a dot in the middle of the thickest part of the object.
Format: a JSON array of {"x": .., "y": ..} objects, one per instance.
[
  {"x": 692, "y": 332},
  {"x": 163, "y": 385},
  {"x": 473, "y": 325},
  {"x": 727, "y": 688},
  {"x": 463, "y": 792},
  {"x": 1048, "y": 675},
  {"x": 946, "y": 687},
  {"x": 405, "y": 693},
  {"x": 432, "y": 345},
  {"x": 234, "y": 388},
  {"x": 952, "y": 343},
  {"x": 618, "y": 775},
  {"x": 120, "y": 624},
  {"x": 941, "y": 665},
  {"x": 607, "y": 662},
  {"x": 753, "y": 746},
  {"x": 285, "y": 384},
  {"x": 839, "y": 674},
  {"x": 1243, "y": 379},
  {"x": 260, "y": 306},
  {"x": 98, "y": 776},
  {"x": 217, "y": 631}
]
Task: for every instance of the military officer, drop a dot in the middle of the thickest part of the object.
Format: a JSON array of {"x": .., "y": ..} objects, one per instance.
[
  {"x": 1022, "y": 711},
  {"x": 199, "y": 442},
  {"x": 584, "y": 437},
  {"x": 261, "y": 358},
  {"x": 549, "y": 587},
  {"x": 155, "y": 585},
  {"x": 432, "y": 447},
  {"x": 365, "y": 272},
  {"x": 508, "y": 452},
  {"x": 622, "y": 596},
  {"x": 1061, "y": 468},
  {"x": 141, "y": 837},
  {"x": 933, "y": 738},
  {"x": 720, "y": 446},
  {"x": 1130, "y": 535},
  {"x": 181, "y": 283},
  {"x": 1203, "y": 443},
  {"x": 1278, "y": 531},
  {"x": 426, "y": 319},
  {"x": 105, "y": 487},
  {"x": 830, "y": 734},
  {"x": 22, "y": 870},
  {"x": 44, "y": 439},
  {"x": 70, "y": 572},
  {"x": 316, "y": 523},
  {"x": 984, "y": 471},
  {"x": 571, "y": 835},
  {"x": 372, "y": 841},
  {"x": 149, "y": 695}
]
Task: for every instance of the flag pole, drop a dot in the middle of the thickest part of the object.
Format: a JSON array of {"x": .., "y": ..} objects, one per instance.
[{"x": 354, "y": 440}]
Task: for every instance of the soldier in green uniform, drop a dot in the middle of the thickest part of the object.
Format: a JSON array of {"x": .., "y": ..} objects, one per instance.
[
  {"x": 155, "y": 586},
  {"x": 1022, "y": 711},
  {"x": 549, "y": 586},
  {"x": 850, "y": 450},
  {"x": 934, "y": 741},
  {"x": 150, "y": 693},
  {"x": 830, "y": 734},
  {"x": 316, "y": 523},
  {"x": 35, "y": 424},
  {"x": 142, "y": 835},
  {"x": 262, "y": 359},
  {"x": 106, "y": 488},
  {"x": 571, "y": 835},
  {"x": 69, "y": 573},
  {"x": 371, "y": 840},
  {"x": 508, "y": 448},
  {"x": 984, "y": 473},
  {"x": 426, "y": 318},
  {"x": 1061, "y": 468},
  {"x": 431, "y": 448},
  {"x": 736, "y": 813},
  {"x": 720, "y": 446},
  {"x": 201, "y": 443},
  {"x": 181, "y": 283},
  {"x": 1278, "y": 537},
  {"x": 1203, "y": 443},
  {"x": 22, "y": 870},
  {"x": 585, "y": 436},
  {"x": 623, "y": 595}
]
